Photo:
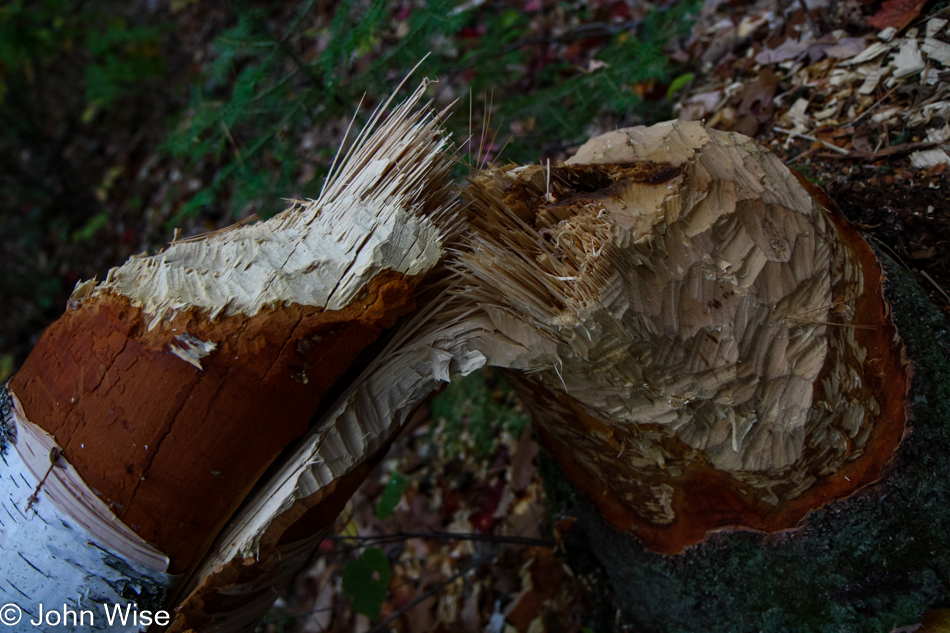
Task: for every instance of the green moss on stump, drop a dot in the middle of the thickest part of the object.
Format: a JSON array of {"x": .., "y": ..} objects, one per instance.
[{"x": 877, "y": 560}]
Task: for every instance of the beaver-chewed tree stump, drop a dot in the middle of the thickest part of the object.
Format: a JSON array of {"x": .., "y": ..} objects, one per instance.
[
  {"x": 704, "y": 343},
  {"x": 720, "y": 385}
]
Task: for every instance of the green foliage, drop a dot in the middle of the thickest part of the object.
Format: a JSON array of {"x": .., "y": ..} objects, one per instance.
[
  {"x": 481, "y": 404},
  {"x": 122, "y": 56},
  {"x": 89, "y": 229},
  {"x": 391, "y": 495},
  {"x": 37, "y": 34},
  {"x": 366, "y": 581},
  {"x": 264, "y": 88},
  {"x": 246, "y": 117},
  {"x": 809, "y": 175},
  {"x": 61, "y": 63}
]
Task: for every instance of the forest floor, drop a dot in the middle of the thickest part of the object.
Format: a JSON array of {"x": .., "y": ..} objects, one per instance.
[{"x": 855, "y": 94}]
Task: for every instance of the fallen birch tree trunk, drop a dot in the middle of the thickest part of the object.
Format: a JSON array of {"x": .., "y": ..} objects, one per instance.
[
  {"x": 704, "y": 343},
  {"x": 147, "y": 414}
]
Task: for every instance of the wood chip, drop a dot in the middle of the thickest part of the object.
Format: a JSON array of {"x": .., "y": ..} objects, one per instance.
[
  {"x": 908, "y": 61},
  {"x": 929, "y": 158},
  {"x": 872, "y": 51},
  {"x": 887, "y": 34},
  {"x": 934, "y": 26},
  {"x": 937, "y": 50},
  {"x": 871, "y": 81}
]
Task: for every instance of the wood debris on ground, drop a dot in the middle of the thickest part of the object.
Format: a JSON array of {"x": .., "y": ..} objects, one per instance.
[{"x": 854, "y": 95}]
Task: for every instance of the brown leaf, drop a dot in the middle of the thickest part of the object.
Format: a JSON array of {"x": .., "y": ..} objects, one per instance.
[
  {"x": 757, "y": 96},
  {"x": 896, "y": 13},
  {"x": 861, "y": 142},
  {"x": 522, "y": 462}
]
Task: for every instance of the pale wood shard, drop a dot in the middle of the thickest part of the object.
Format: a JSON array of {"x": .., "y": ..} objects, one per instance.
[{"x": 302, "y": 499}]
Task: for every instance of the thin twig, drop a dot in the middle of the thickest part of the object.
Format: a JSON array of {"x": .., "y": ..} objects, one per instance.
[
  {"x": 793, "y": 133},
  {"x": 449, "y": 536},
  {"x": 237, "y": 150},
  {"x": 893, "y": 150},
  {"x": 871, "y": 107},
  {"x": 935, "y": 284}
]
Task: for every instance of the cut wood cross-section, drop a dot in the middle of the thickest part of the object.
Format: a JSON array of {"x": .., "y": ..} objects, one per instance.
[
  {"x": 703, "y": 342},
  {"x": 716, "y": 348}
]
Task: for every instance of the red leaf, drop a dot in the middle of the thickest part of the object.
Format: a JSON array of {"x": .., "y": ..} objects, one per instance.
[{"x": 896, "y": 13}]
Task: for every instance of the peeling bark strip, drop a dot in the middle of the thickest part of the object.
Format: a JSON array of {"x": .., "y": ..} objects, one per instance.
[
  {"x": 60, "y": 543},
  {"x": 173, "y": 385},
  {"x": 715, "y": 349}
]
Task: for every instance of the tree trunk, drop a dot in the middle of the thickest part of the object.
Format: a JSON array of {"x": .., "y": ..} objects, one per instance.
[
  {"x": 703, "y": 341},
  {"x": 874, "y": 561},
  {"x": 721, "y": 387},
  {"x": 148, "y": 414}
]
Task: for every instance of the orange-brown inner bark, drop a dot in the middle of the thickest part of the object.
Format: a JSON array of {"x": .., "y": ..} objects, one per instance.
[{"x": 173, "y": 449}]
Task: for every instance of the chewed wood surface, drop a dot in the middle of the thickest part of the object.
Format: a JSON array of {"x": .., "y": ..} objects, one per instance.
[{"x": 713, "y": 346}]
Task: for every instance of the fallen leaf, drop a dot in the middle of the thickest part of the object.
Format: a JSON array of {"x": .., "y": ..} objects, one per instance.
[
  {"x": 923, "y": 253},
  {"x": 896, "y": 13},
  {"x": 522, "y": 462},
  {"x": 757, "y": 96},
  {"x": 860, "y": 140},
  {"x": 789, "y": 49},
  {"x": 391, "y": 496},
  {"x": 366, "y": 581},
  {"x": 846, "y": 47}
]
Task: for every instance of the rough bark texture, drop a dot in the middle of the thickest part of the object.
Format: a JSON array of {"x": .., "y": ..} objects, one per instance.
[{"x": 871, "y": 562}]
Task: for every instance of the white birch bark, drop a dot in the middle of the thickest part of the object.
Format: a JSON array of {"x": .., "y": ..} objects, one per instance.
[{"x": 61, "y": 549}]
